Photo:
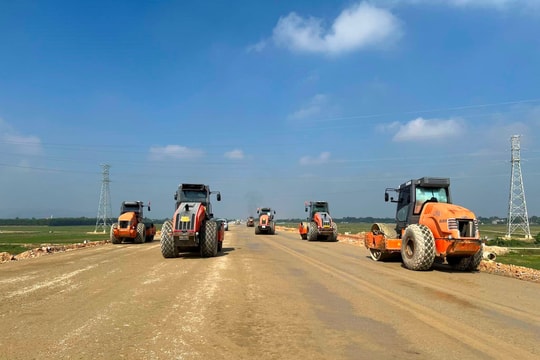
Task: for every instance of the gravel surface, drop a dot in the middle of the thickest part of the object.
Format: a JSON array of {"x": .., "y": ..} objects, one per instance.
[{"x": 491, "y": 267}]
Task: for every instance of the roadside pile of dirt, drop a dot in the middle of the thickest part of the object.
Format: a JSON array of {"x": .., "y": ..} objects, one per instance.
[
  {"x": 47, "y": 249},
  {"x": 514, "y": 271}
]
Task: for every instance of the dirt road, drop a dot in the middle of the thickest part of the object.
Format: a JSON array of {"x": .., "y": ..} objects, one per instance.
[{"x": 265, "y": 297}]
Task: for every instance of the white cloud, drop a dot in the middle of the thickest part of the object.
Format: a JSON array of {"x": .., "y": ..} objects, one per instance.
[
  {"x": 235, "y": 154},
  {"x": 258, "y": 47},
  {"x": 24, "y": 145},
  {"x": 360, "y": 26},
  {"x": 174, "y": 152},
  {"x": 323, "y": 158},
  {"x": 426, "y": 129},
  {"x": 313, "y": 108},
  {"x": 15, "y": 143}
]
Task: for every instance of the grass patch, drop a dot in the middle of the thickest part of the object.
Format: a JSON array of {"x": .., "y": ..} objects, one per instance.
[
  {"x": 494, "y": 231},
  {"x": 17, "y": 239},
  {"x": 13, "y": 249},
  {"x": 526, "y": 258},
  {"x": 513, "y": 243},
  {"x": 353, "y": 228}
]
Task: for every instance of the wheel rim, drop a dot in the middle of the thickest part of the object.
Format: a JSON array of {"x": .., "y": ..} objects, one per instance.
[
  {"x": 375, "y": 254},
  {"x": 409, "y": 248}
]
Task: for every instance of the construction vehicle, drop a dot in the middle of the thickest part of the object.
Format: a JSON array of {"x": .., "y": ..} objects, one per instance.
[
  {"x": 250, "y": 222},
  {"x": 131, "y": 225},
  {"x": 266, "y": 223},
  {"x": 319, "y": 224},
  {"x": 192, "y": 227},
  {"x": 429, "y": 228}
]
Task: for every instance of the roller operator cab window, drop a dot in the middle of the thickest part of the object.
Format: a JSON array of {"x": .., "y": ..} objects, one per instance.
[
  {"x": 319, "y": 208},
  {"x": 193, "y": 196},
  {"x": 424, "y": 194}
]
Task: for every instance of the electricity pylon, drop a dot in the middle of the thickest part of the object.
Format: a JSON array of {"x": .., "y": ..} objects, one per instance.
[
  {"x": 104, "y": 209},
  {"x": 518, "y": 220}
]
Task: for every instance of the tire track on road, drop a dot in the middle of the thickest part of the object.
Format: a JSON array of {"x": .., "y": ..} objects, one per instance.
[
  {"x": 428, "y": 284},
  {"x": 485, "y": 343}
]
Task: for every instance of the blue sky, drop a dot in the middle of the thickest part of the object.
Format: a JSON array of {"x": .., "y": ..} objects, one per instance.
[{"x": 271, "y": 103}]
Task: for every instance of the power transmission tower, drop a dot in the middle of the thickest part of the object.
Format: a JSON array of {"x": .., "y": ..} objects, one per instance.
[
  {"x": 104, "y": 209},
  {"x": 517, "y": 207}
]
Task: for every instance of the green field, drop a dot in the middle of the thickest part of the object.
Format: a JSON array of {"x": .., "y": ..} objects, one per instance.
[{"x": 17, "y": 239}]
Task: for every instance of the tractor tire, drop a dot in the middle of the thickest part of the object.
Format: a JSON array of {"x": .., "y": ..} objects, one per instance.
[
  {"x": 141, "y": 234},
  {"x": 114, "y": 239},
  {"x": 312, "y": 233},
  {"x": 149, "y": 238},
  {"x": 418, "y": 248},
  {"x": 168, "y": 250},
  {"x": 468, "y": 263},
  {"x": 303, "y": 236},
  {"x": 257, "y": 230},
  {"x": 272, "y": 230},
  {"x": 209, "y": 240},
  {"x": 334, "y": 236}
]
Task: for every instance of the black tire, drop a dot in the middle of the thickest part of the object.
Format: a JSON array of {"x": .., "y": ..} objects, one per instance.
[
  {"x": 303, "y": 236},
  {"x": 141, "y": 234},
  {"x": 418, "y": 248},
  {"x": 468, "y": 263},
  {"x": 334, "y": 236},
  {"x": 312, "y": 232},
  {"x": 257, "y": 230},
  {"x": 168, "y": 250},
  {"x": 209, "y": 240},
  {"x": 114, "y": 239}
]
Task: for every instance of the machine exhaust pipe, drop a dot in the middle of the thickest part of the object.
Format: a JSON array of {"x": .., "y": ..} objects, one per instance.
[{"x": 488, "y": 255}]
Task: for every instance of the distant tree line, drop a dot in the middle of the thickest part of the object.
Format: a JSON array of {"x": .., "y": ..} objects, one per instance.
[
  {"x": 533, "y": 220},
  {"x": 79, "y": 221}
]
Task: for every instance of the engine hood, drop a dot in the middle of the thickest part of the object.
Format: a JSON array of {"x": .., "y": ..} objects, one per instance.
[
  {"x": 127, "y": 216},
  {"x": 185, "y": 217},
  {"x": 443, "y": 210}
]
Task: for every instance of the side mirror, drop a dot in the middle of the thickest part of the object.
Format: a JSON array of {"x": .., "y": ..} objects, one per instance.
[
  {"x": 386, "y": 198},
  {"x": 175, "y": 196},
  {"x": 218, "y": 197},
  {"x": 274, "y": 211},
  {"x": 306, "y": 209}
]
